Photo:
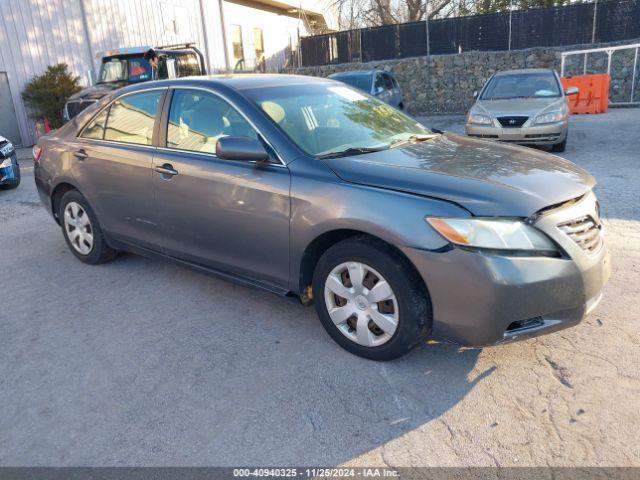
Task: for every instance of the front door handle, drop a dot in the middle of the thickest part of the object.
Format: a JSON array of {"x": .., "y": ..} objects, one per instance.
[
  {"x": 80, "y": 154},
  {"x": 166, "y": 170}
]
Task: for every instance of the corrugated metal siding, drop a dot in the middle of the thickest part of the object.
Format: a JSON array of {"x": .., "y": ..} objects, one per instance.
[
  {"x": 37, "y": 33},
  {"x": 33, "y": 35}
]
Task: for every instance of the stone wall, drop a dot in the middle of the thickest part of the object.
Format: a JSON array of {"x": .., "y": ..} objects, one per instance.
[{"x": 444, "y": 84}]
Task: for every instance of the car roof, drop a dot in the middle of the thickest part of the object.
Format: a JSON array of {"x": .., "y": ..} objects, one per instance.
[
  {"x": 525, "y": 70},
  {"x": 359, "y": 72},
  {"x": 243, "y": 81}
]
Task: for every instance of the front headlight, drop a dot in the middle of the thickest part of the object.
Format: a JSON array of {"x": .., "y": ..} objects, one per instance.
[
  {"x": 478, "y": 119},
  {"x": 497, "y": 234},
  {"x": 551, "y": 117}
]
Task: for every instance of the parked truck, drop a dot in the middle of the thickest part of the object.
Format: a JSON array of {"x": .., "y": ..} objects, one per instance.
[{"x": 125, "y": 66}]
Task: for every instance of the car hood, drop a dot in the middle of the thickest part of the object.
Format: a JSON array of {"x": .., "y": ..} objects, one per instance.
[
  {"x": 517, "y": 106},
  {"x": 486, "y": 178},
  {"x": 96, "y": 92}
]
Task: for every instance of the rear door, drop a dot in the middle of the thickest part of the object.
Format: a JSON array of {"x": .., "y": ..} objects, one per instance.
[
  {"x": 223, "y": 214},
  {"x": 112, "y": 161}
]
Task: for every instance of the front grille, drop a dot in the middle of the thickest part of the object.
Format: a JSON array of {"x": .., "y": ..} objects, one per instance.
[
  {"x": 74, "y": 108},
  {"x": 512, "y": 122},
  {"x": 584, "y": 231},
  {"x": 551, "y": 136}
]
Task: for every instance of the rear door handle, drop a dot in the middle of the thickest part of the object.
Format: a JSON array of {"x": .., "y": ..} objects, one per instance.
[
  {"x": 80, "y": 154},
  {"x": 166, "y": 170}
]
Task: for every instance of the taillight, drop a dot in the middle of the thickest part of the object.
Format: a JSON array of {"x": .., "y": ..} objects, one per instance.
[{"x": 36, "y": 152}]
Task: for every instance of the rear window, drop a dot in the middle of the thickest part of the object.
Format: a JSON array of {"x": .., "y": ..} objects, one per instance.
[{"x": 361, "y": 82}]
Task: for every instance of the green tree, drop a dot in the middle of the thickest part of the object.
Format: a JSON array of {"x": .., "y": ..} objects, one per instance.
[{"x": 46, "y": 94}]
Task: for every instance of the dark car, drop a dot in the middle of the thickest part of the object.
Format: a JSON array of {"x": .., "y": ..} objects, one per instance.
[
  {"x": 9, "y": 167},
  {"x": 307, "y": 187},
  {"x": 381, "y": 84},
  {"x": 125, "y": 66}
]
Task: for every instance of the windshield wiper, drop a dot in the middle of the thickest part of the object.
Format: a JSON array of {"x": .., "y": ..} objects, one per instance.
[
  {"x": 351, "y": 151},
  {"x": 419, "y": 137}
]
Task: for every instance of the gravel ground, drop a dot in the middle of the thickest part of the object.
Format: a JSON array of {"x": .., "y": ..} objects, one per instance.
[{"x": 140, "y": 362}]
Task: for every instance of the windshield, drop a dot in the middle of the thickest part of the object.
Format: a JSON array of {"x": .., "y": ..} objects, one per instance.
[
  {"x": 360, "y": 81},
  {"x": 328, "y": 118},
  {"x": 522, "y": 85},
  {"x": 124, "y": 69}
]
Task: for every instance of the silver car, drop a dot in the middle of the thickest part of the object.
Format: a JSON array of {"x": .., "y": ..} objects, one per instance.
[
  {"x": 310, "y": 188},
  {"x": 381, "y": 84},
  {"x": 527, "y": 107}
]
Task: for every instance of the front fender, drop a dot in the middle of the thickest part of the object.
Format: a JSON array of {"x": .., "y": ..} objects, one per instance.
[{"x": 322, "y": 203}]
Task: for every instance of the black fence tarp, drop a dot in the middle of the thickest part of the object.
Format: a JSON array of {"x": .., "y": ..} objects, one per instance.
[{"x": 540, "y": 27}]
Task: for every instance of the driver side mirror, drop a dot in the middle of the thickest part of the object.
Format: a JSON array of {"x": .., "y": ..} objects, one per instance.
[
  {"x": 475, "y": 94},
  {"x": 571, "y": 91},
  {"x": 378, "y": 90},
  {"x": 241, "y": 148}
]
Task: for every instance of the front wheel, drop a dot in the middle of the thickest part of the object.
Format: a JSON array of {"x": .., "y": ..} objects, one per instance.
[{"x": 370, "y": 300}]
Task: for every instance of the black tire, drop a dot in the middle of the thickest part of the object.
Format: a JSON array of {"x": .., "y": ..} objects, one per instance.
[
  {"x": 560, "y": 147},
  {"x": 14, "y": 184},
  {"x": 401, "y": 106},
  {"x": 10, "y": 186},
  {"x": 415, "y": 318},
  {"x": 100, "y": 252}
]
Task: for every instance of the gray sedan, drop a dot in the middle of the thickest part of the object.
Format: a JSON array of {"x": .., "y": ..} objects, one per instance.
[
  {"x": 527, "y": 107},
  {"x": 310, "y": 188}
]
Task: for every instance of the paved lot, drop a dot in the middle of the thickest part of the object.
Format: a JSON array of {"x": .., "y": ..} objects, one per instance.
[{"x": 140, "y": 362}]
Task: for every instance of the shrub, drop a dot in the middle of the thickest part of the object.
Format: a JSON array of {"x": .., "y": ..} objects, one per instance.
[{"x": 46, "y": 94}]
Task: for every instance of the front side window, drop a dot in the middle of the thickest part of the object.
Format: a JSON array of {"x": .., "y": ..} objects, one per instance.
[
  {"x": 198, "y": 119},
  {"x": 132, "y": 117},
  {"x": 95, "y": 128},
  {"x": 522, "y": 85},
  {"x": 327, "y": 118}
]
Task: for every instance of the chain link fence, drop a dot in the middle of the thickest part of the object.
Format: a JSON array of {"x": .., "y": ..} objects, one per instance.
[{"x": 577, "y": 24}]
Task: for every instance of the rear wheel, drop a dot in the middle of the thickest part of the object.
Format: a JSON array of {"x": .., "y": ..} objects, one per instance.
[
  {"x": 82, "y": 231},
  {"x": 370, "y": 300}
]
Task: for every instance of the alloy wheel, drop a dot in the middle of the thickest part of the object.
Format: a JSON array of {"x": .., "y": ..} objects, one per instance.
[
  {"x": 77, "y": 227},
  {"x": 361, "y": 304}
]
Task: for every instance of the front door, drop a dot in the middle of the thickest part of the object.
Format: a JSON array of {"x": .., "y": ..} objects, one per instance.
[
  {"x": 112, "y": 160},
  {"x": 224, "y": 214},
  {"x": 8, "y": 120}
]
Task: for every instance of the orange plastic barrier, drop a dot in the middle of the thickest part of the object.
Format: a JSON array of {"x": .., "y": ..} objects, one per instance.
[{"x": 593, "y": 95}]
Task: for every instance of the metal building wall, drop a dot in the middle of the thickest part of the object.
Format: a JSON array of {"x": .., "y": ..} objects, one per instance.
[{"x": 37, "y": 33}]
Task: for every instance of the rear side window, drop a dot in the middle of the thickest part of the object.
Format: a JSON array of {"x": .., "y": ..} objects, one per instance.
[
  {"x": 188, "y": 65},
  {"x": 131, "y": 118},
  {"x": 198, "y": 119},
  {"x": 95, "y": 128},
  {"x": 388, "y": 83}
]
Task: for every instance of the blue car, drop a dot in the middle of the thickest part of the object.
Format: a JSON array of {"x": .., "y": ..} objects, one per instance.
[
  {"x": 382, "y": 85},
  {"x": 9, "y": 168}
]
